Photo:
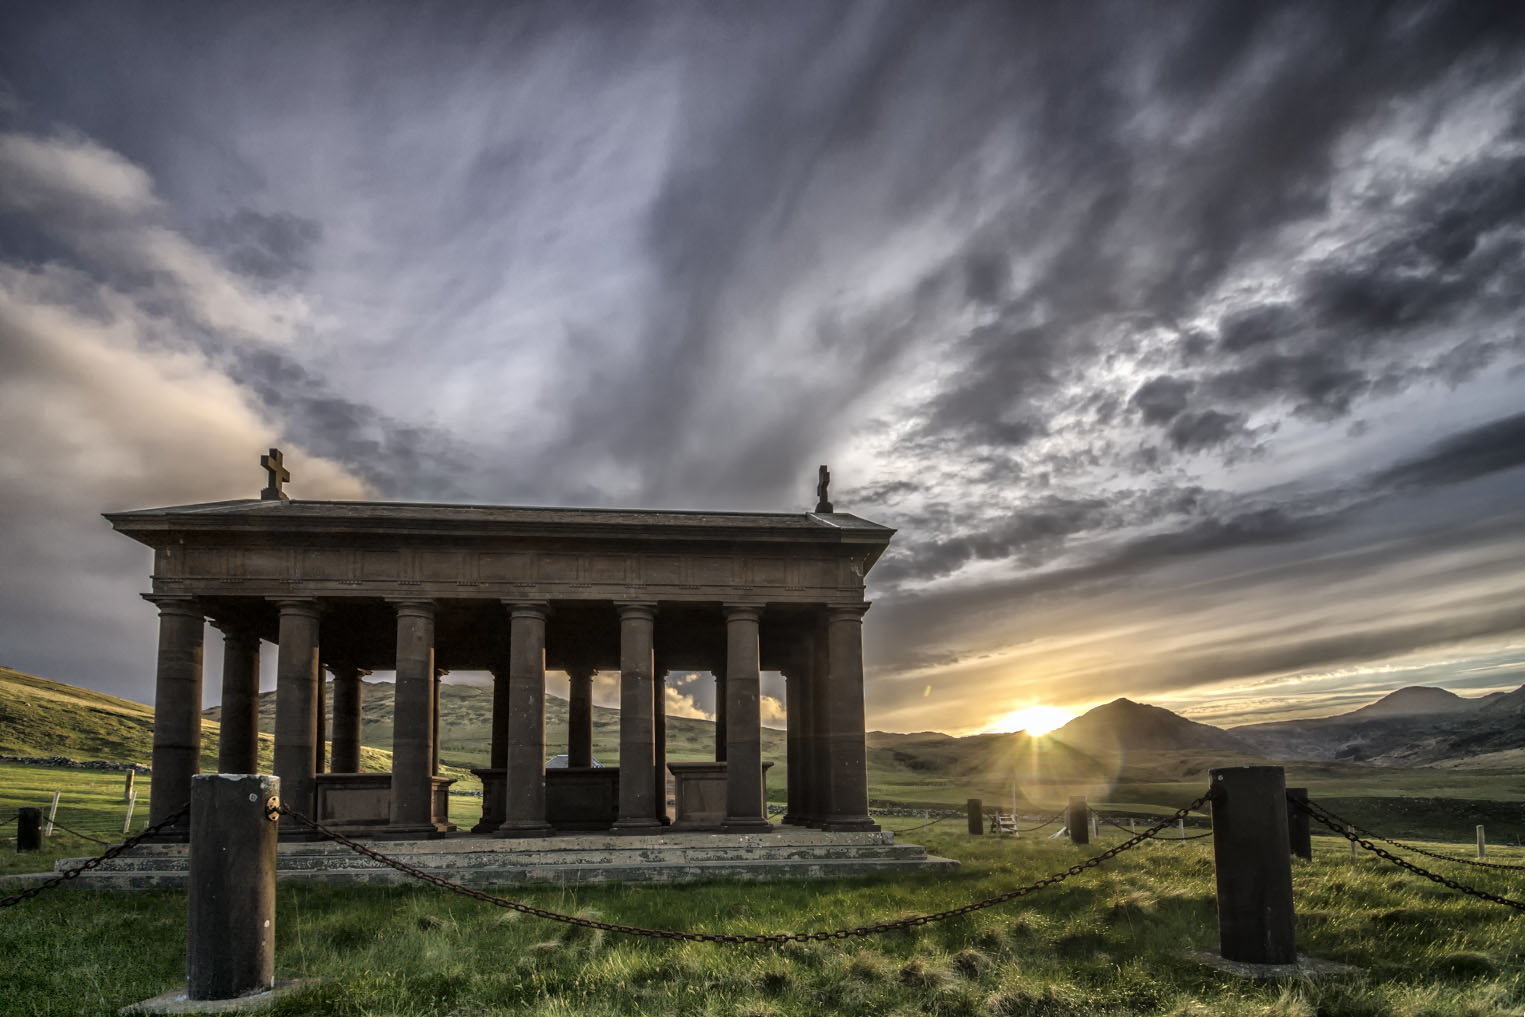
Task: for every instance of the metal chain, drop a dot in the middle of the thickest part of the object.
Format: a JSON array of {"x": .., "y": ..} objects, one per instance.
[
  {"x": 770, "y": 939},
  {"x": 923, "y": 826},
  {"x": 91, "y": 863},
  {"x": 1112, "y": 822},
  {"x": 1344, "y": 830},
  {"x": 1420, "y": 850},
  {"x": 77, "y": 833},
  {"x": 1050, "y": 821}
]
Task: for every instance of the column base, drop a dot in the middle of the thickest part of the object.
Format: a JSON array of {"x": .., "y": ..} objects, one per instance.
[
  {"x": 642, "y": 825},
  {"x": 848, "y": 825},
  {"x": 791, "y": 820},
  {"x": 745, "y": 824},
  {"x": 523, "y": 828}
]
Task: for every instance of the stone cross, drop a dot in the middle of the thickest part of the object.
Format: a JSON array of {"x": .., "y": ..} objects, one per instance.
[
  {"x": 278, "y": 476},
  {"x": 822, "y": 505}
]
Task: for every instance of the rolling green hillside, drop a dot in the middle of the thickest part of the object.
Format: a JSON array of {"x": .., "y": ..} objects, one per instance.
[{"x": 39, "y": 717}]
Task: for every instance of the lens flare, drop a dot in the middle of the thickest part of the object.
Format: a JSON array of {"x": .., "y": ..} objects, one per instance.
[{"x": 1035, "y": 720}]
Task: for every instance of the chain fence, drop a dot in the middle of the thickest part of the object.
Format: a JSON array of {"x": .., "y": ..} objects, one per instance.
[
  {"x": 90, "y": 863},
  {"x": 1327, "y": 818},
  {"x": 80, "y": 833},
  {"x": 1419, "y": 850},
  {"x": 1166, "y": 840},
  {"x": 766, "y": 939}
]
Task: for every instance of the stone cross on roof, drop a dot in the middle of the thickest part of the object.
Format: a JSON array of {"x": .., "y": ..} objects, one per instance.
[
  {"x": 824, "y": 481},
  {"x": 278, "y": 476}
]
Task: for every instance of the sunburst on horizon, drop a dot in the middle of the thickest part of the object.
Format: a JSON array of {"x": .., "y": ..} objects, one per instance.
[{"x": 1035, "y": 720}]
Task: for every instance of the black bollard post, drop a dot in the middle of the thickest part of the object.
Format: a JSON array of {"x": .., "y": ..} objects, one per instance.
[
  {"x": 976, "y": 809},
  {"x": 1078, "y": 818},
  {"x": 1299, "y": 840},
  {"x": 29, "y": 829},
  {"x": 230, "y": 926},
  {"x": 1255, "y": 921}
]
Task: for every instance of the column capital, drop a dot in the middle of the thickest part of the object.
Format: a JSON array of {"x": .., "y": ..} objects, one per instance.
[
  {"x": 304, "y": 606},
  {"x": 580, "y": 672},
  {"x": 412, "y": 608},
  {"x": 175, "y": 604},
  {"x": 636, "y": 609},
  {"x": 234, "y": 630},
  {"x": 742, "y": 612},
  {"x": 847, "y": 612},
  {"x": 527, "y": 609}
]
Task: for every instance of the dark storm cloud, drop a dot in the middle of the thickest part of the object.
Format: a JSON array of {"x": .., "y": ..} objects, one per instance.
[
  {"x": 1494, "y": 447},
  {"x": 399, "y": 460},
  {"x": 1057, "y": 282},
  {"x": 273, "y": 246},
  {"x": 1161, "y": 400}
]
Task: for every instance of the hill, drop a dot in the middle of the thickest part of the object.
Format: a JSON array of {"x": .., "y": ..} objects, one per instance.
[
  {"x": 1411, "y": 727},
  {"x": 1413, "y": 701},
  {"x": 40, "y": 717},
  {"x": 466, "y": 726},
  {"x": 1123, "y": 725}
]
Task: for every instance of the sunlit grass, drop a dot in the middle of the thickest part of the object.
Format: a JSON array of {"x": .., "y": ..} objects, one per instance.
[{"x": 1109, "y": 942}]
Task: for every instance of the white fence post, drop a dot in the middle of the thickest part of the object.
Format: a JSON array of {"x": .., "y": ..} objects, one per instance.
[{"x": 52, "y": 812}]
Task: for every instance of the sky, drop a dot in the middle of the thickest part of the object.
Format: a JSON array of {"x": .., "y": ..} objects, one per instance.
[{"x": 1183, "y": 344}]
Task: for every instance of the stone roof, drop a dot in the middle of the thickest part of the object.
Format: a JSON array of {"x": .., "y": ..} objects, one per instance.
[{"x": 293, "y": 516}]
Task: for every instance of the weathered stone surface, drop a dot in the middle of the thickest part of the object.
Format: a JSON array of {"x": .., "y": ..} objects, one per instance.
[{"x": 783, "y": 853}]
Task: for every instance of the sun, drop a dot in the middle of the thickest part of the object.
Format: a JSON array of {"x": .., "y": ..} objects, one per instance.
[{"x": 1035, "y": 720}]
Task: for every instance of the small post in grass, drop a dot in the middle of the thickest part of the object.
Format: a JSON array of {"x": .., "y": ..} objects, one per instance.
[
  {"x": 1254, "y": 868},
  {"x": 976, "y": 810},
  {"x": 52, "y": 812},
  {"x": 127, "y": 820},
  {"x": 1300, "y": 839},
  {"x": 128, "y": 794},
  {"x": 1482, "y": 847},
  {"x": 29, "y": 829},
  {"x": 1076, "y": 818},
  {"x": 230, "y": 897}
]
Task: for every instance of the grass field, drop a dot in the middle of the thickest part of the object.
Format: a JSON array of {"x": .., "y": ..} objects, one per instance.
[{"x": 1108, "y": 942}]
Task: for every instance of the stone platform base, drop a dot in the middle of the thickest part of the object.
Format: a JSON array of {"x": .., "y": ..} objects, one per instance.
[
  {"x": 478, "y": 860},
  {"x": 1306, "y": 967},
  {"x": 179, "y": 1002}
]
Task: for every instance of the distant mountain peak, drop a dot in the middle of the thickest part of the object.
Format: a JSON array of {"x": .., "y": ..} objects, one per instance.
[
  {"x": 1125, "y": 724},
  {"x": 1413, "y": 701}
]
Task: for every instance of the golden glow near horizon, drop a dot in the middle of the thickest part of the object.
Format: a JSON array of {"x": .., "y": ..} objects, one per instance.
[{"x": 1035, "y": 720}]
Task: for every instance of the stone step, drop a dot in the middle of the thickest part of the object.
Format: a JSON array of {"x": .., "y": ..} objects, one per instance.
[
  {"x": 568, "y": 875},
  {"x": 339, "y": 857},
  {"x": 591, "y": 858}
]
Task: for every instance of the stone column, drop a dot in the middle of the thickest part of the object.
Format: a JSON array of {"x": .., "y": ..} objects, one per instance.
[
  {"x": 296, "y": 706},
  {"x": 846, "y": 729},
  {"x": 659, "y": 671},
  {"x": 794, "y": 733},
  {"x": 349, "y": 691},
  {"x": 238, "y": 749},
  {"x": 720, "y": 713},
  {"x": 818, "y": 792},
  {"x": 320, "y": 743},
  {"x": 498, "y": 751},
  {"x": 439, "y": 680},
  {"x": 413, "y": 722},
  {"x": 524, "y": 812},
  {"x": 637, "y": 812},
  {"x": 580, "y": 715},
  {"x": 177, "y": 709},
  {"x": 744, "y": 807}
]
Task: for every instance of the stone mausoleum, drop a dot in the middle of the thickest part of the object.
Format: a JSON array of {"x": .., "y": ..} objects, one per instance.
[{"x": 355, "y": 587}]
